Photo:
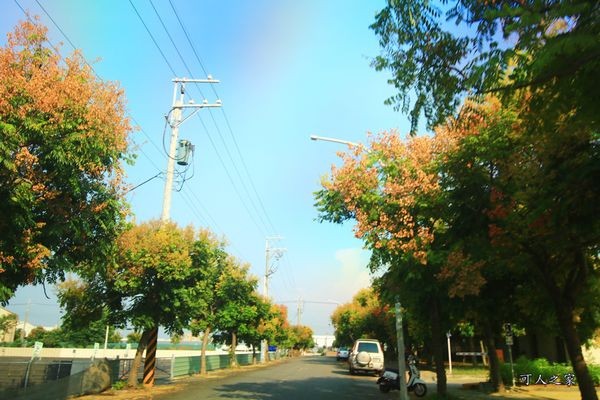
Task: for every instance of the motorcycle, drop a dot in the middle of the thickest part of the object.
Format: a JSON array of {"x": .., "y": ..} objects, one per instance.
[{"x": 390, "y": 379}]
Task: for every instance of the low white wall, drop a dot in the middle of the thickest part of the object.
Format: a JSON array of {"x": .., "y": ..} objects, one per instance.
[{"x": 100, "y": 353}]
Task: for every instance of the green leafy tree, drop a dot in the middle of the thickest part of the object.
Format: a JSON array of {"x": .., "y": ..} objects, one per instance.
[
  {"x": 518, "y": 198},
  {"x": 238, "y": 303},
  {"x": 52, "y": 339},
  {"x": 365, "y": 317},
  {"x": 151, "y": 284},
  {"x": 209, "y": 259},
  {"x": 303, "y": 337},
  {"x": 546, "y": 211},
  {"x": 264, "y": 326},
  {"x": 63, "y": 137},
  {"x": 441, "y": 53},
  {"x": 134, "y": 337},
  {"x": 85, "y": 318},
  {"x": 277, "y": 328}
]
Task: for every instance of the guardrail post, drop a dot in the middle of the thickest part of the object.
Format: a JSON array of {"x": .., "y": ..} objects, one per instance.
[
  {"x": 172, "y": 366},
  {"x": 27, "y": 373}
]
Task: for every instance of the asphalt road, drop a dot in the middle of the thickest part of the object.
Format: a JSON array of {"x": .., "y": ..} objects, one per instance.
[{"x": 313, "y": 378}]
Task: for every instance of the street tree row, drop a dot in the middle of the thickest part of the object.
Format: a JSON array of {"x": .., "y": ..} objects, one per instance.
[
  {"x": 63, "y": 143},
  {"x": 493, "y": 217},
  {"x": 179, "y": 279}
]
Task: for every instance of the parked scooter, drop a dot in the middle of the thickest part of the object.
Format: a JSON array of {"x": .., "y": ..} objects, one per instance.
[{"x": 390, "y": 379}]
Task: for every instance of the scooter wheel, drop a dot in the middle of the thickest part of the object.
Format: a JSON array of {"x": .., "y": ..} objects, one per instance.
[
  {"x": 384, "y": 388},
  {"x": 420, "y": 389}
]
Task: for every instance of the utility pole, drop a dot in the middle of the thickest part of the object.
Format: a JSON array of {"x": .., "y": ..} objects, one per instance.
[
  {"x": 25, "y": 323},
  {"x": 175, "y": 120},
  {"x": 299, "y": 311},
  {"x": 176, "y": 114},
  {"x": 401, "y": 362},
  {"x": 271, "y": 253},
  {"x": 275, "y": 254}
]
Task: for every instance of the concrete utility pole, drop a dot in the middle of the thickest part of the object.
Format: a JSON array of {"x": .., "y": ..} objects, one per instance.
[
  {"x": 175, "y": 120},
  {"x": 275, "y": 254},
  {"x": 175, "y": 115},
  {"x": 299, "y": 311},
  {"x": 401, "y": 362}
]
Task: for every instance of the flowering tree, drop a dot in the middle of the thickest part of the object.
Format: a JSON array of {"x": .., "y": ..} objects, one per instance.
[
  {"x": 63, "y": 137},
  {"x": 392, "y": 192}
]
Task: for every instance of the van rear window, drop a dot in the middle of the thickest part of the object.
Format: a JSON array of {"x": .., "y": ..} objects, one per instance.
[{"x": 368, "y": 347}]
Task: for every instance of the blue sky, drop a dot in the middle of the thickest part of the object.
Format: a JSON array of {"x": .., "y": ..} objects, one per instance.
[{"x": 288, "y": 69}]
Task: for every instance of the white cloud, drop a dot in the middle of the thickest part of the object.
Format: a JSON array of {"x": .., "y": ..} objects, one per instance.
[{"x": 351, "y": 273}]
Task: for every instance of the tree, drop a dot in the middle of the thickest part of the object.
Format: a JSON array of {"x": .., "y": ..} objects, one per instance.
[
  {"x": 277, "y": 329},
  {"x": 134, "y": 337},
  {"x": 547, "y": 211},
  {"x": 237, "y": 310},
  {"x": 7, "y": 322},
  {"x": 519, "y": 199},
  {"x": 209, "y": 260},
  {"x": 548, "y": 46},
  {"x": 392, "y": 193},
  {"x": 365, "y": 317},
  {"x": 85, "y": 318},
  {"x": 151, "y": 284},
  {"x": 264, "y": 327},
  {"x": 53, "y": 338},
  {"x": 303, "y": 337},
  {"x": 64, "y": 135}
]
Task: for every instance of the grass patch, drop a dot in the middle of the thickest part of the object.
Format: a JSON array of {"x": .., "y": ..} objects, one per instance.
[
  {"x": 469, "y": 370},
  {"x": 541, "y": 370}
]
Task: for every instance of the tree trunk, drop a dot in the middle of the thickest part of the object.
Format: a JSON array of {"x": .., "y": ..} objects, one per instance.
[
  {"x": 437, "y": 341},
  {"x": 232, "y": 356},
  {"x": 490, "y": 343},
  {"x": 203, "y": 351},
  {"x": 584, "y": 380},
  {"x": 132, "y": 380}
]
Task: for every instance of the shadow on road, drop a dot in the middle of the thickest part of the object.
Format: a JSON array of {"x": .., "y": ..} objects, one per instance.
[
  {"x": 335, "y": 383},
  {"x": 313, "y": 388}
]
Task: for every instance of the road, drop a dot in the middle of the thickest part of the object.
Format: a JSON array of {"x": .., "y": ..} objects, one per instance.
[{"x": 313, "y": 378}]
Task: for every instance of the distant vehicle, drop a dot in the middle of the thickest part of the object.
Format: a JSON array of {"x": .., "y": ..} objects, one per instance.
[
  {"x": 342, "y": 354},
  {"x": 366, "y": 356}
]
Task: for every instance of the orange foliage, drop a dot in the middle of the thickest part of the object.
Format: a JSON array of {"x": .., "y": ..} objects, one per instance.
[
  {"x": 463, "y": 275},
  {"x": 55, "y": 116},
  {"x": 400, "y": 173}
]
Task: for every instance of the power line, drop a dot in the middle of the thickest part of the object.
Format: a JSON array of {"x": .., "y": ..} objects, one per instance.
[
  {"x": 153, "y": 40},
  {"x": 206, "y": 129},
  {"x": 172, "y": 42},
  {"x": 196, "y": 201},
  {"x": 68, "y": 39},
  {"x": 233, "y": 163},
  {"x": 192, "y": 46},
  {"x": 260, "y": 229},
  {"x": 228, "y": 124}
]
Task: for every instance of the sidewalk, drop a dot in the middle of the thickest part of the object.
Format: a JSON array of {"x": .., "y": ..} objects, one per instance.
[{"x": 464, "y": 387}]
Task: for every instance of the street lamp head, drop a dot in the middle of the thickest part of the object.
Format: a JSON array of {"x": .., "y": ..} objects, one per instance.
[{"x": 313, "y": 137}]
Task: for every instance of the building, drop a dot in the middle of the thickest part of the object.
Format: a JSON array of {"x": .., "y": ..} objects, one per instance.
[
  {"x": 323, "y": 340},
  {"x": 8, "y": 327}
]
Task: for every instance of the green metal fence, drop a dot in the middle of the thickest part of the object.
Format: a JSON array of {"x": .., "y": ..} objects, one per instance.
[{"x": 186, "y": 366}]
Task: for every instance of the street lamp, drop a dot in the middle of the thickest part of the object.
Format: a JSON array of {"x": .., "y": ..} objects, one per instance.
[
  {"x": 398, "y": 308},
  {"x": 346, "y": 142},
  {"x": 334, "y": 140}
]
